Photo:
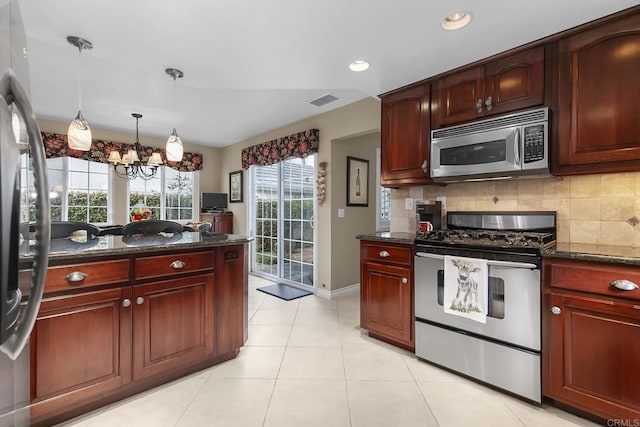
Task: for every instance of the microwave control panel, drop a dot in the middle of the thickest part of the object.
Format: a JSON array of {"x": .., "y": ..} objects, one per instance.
[{"x": 533, "y": 143}]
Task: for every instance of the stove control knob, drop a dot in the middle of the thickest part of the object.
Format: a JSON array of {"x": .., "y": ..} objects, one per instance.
[{"x": 556, "y": 310}]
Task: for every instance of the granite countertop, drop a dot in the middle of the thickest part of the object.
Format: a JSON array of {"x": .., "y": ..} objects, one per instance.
[
  {"x": 597, "y": 253},
  {"x": 79, "y": 247},
  {"x": 389, "y": 237}
]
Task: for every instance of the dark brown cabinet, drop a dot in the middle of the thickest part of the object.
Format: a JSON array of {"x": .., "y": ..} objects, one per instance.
[
  {"x": 405, "y": 137},
  {"x": 173, "y": 324},
  {"x": 386, "y": 292},
  {"x": 592, "y": 338},
  {"x": 507, "y": 84},
  {"x": 598, "y": 104},
  {"x": 221, "y": 222},
  {"x": 80, "y": 349},
  {"x": 231, "y": 290}
]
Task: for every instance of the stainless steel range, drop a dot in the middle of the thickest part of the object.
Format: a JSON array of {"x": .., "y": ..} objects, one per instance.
[{"x": 504, "y": 348}]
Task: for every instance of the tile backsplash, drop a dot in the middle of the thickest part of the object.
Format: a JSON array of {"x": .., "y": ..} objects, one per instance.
[{"x": 592, "y": 209}]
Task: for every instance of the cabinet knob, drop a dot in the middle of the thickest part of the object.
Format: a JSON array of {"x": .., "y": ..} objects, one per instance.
[
  {"x": 404, "y": 280},
  {"x": 489, "y": 103},
  {"x": 425, "y": 167},
  {"x": 126, "y": 302},
  {"x": 384, "y": 254},
  {"x": 177, "y": 264},
  {"x": 624, "y": 285},
  {"x": 139, "y": 300},
  {"x": 76, "y": 276},
  {"x": 556, "y": 310},
  {"x": 479, "y": 105}
]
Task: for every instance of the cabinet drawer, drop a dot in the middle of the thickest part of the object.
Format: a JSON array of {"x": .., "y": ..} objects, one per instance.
[
  {"x": 593, "y": 277},
  {"x": 163, "y": 265},
  {"x": 387, "y": 253},
  {"x": 89, "y": 274}
]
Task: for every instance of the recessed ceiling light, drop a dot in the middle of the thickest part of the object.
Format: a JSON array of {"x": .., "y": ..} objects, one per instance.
[
  {"x": 358, "y": 66},
  {"x": 456, "y": 20}
]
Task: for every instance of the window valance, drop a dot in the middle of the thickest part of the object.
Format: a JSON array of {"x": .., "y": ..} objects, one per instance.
[
  {"x": 299, "y": 144},
  {"x": 55, "y": 145}
]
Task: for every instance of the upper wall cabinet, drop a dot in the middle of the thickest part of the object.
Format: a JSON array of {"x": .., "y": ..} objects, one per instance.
[
  {"x": 510, "y": 83},
  {"x": 599, "y": 99},
  {"x": 405, "y": 137}
]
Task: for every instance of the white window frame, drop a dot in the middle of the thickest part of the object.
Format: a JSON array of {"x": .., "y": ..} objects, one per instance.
[{"x": 381, "y": 224}]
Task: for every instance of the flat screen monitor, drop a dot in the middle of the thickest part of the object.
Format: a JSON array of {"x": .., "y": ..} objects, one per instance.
[{"x": 212, "y": 202}]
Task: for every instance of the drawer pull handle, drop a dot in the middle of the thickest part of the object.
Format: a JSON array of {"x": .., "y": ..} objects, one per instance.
[
  {"x": 177, "y": 264},
  {"x": 139, "y": 300},
  {"x": 556, "y": 310},
  {"x": 404, "y": 280},
  {"x": 624, "y": 285},
  {"x": 126, "y": 302},
  {"x": 76, "y": 276},
  {"x": 384, "y": 254}
]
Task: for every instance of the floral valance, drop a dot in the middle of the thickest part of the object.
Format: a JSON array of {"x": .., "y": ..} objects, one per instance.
[
  {"x": 55, "y": 145},
  {"x": 299, "y": 144}
]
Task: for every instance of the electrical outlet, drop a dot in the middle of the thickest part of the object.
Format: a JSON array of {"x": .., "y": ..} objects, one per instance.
[
  {"x": 340, "y": 213},
  {"x": 408, "y": 203}
]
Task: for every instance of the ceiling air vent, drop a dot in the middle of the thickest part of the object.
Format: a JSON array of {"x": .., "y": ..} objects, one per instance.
[{"x": 323, "y": 100}]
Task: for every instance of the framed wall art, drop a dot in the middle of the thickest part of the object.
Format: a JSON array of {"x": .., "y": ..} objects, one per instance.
[
  {"x": 235, "y": 187},
  {"x": 357, "y": 182}
]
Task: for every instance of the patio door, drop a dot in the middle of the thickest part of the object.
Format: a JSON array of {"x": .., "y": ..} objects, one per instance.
[{"x": 282, "y": 214}]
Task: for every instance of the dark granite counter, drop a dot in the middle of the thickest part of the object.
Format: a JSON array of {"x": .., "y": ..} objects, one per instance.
[
  {"x": 597, "y": 253},
  {"x": 389, "y": 237},
  {"x": 79, "y": 247}
]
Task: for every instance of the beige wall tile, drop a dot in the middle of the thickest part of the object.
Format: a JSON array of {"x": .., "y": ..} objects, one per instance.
[
  {"x": 461, "y": 189},
  {"x": 416, "y": 193},
  {"x": 530, "y": 189},
  {"x": 617, "y": 233},
  {"x": 617, "y": 208},
  {"x": 562, "y": 232},
  {"x": 619, "y": 184},
  {"x": 530, "y": 204},
  {"x": 486, "y": 204},
  {"x": 585, "y": 186},
  {"x": 556, "y": 188},
  {"x": 461, "y": 204},
  {"x": 485, "y": 189},
  {"x": 584, "y": 231},
  {"x": 561, "y": 206},
  {"x": 507, "y": 188},
  {"x": 584, "y": 209}
]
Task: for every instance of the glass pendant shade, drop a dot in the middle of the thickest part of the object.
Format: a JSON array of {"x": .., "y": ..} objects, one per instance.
[
  {"x": 79, "y": 134},
  {"x": 174, "y": 149}
]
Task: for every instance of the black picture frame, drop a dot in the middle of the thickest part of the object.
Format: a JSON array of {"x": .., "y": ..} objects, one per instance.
[
  {"x": 357, "y": 182},
  {"x": 235, "y": 187}
]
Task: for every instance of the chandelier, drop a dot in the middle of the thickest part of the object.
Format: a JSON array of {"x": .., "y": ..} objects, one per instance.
[{"x": 130, "y": 165}]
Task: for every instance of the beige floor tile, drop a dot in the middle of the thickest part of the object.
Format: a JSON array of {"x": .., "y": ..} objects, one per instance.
[
  {"x": 426, "y": 372},
  {"x": 372, "y": 361},
  {"x": 229, "y": 402},
  {"x": 312, "y": 336},
  {"x": 273, "y": 317},
  {"x": 467, "y": 404},
  {"x": 319, "y": 318},
  {"x": 388, "y": 403},
  {"x": 268, "y": 335},
  {"x": 158, "y": 407},
  {"x": 545, "y": 415},
  {"x": 308, "y": 403},
  {"x": 252, "y": 362},
  {"x": 313, "y": 302},
  {"x": 312, "y": 363},
  {"x": 274, "y": 303}
]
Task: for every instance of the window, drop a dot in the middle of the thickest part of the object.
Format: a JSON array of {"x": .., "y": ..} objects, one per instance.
[
  {"x": 78, "y": 190},
  {"x": 383, "y": 201},
  {"x": 169, "y": 195}
]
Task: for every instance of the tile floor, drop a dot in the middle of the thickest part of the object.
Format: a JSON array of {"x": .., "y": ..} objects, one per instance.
[{"x": 307, "y": 363}]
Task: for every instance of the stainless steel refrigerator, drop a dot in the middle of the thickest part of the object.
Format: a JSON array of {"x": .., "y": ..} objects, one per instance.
[{"x": 19, "y": 136}]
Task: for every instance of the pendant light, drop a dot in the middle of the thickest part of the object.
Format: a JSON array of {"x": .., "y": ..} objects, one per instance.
[
  {"x": 130, "y": 165},
  {"x": 174, "y": 149},
  {"x": 79, "y": 133}
]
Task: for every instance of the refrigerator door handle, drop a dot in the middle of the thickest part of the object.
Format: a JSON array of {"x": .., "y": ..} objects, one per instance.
[{"x": 13, "y": 92}]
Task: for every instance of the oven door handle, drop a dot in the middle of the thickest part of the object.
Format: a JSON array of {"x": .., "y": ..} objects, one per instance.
[{"x": 491, "y": 263}]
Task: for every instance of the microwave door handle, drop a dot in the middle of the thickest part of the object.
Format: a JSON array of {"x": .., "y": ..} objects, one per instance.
[
  {"x": 12, "y": 91},
  {"x": 516, "y": 147}
]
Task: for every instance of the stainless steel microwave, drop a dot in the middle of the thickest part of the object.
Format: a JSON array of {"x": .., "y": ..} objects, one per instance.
[{"x": 502, "y": 147}]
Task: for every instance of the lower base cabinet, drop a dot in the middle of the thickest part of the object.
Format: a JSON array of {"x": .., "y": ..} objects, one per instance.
[{"x": 592, "y": 339}]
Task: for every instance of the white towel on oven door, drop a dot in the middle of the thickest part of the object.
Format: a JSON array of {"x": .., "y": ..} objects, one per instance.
[{"x": 466, "y": 287}]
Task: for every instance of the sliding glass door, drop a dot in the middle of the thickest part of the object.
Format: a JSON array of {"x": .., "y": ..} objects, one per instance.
[{"x": 283, "y": 205}]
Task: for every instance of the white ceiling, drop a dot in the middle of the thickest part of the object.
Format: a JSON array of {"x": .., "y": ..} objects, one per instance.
[{"x": 252, "y": 65}]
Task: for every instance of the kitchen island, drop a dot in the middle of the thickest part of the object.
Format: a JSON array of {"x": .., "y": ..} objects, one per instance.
[{"x": 122, "y": 314}]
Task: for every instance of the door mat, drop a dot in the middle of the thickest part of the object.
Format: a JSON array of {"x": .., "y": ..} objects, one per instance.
[{"x": 284, "y": 292}]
